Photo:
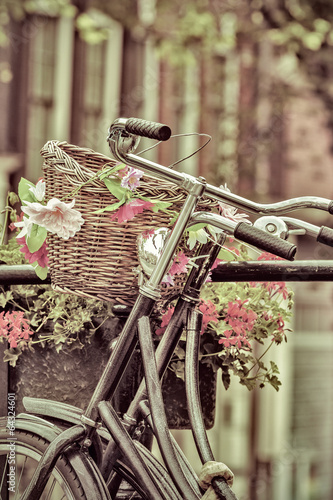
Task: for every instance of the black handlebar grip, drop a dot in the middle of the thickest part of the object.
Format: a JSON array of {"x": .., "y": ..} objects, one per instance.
[
  {"x": 151, "y": 130},
  {"x": 222, "y": 488},
  {"x": 325, "y": 236},
  {"x": 265, "y": 241}
]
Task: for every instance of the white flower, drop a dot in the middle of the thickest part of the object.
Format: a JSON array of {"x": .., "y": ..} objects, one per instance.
[
  {"x": 26, "y": 226},
  {"x": 230, "y": 212},
  {"x": 57, "y": 217},
  {"x": 38, "y": 190}
]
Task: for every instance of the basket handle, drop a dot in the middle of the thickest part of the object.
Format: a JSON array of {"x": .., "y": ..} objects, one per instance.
[{"x": 56, "y": 156}]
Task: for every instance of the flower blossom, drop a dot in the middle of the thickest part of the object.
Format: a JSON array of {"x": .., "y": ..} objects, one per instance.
[
  {"x": 206, "y": 307},
  {"x": 240, "y": 321},
  {"x": 38, "y": 190},
  {"x": 131, "y": 209},
  {"x": 26, "y": 225},
  {"x": 131, "y": 179},
  {"x": 178, "y": 267},
  {"x": 269, "y": 256},
  {"x": 14, "y": 327},
  {"x": 168, "y": 280},
  {"x": 209, "y": 312},
  {"x": 179, "y": 264},
  {"x": 40, "y": 256},
  {"x": 230, "y": 212},
  {"x": 57, "y": 217},
  {"x": 166, "y": 317}
]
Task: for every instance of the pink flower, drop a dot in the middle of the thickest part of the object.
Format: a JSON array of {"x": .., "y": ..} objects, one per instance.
[
  {"x": 228, "y": 340},
  {"x": 40, "y": 256},
  {"x": 57, "y": 217},
  {"x": 168, "y": 280},
  {"x": 149, "y": 232},
  {"x": 166, "y": 317},
  {"x": 216, "y": 263},
  {"x": 209, "y": 312},
  {"x": 131, "y": 209},
  {"x": 274, "y": 287},
  {"x": 131, "y": 179},
  {"x": 178, "y": 267},
  {"x": 241, "y": 321},
  {"x": 269, "y": 256},
  {"x": 179, "y": 264},
  {"x": 14, "y": 327}
]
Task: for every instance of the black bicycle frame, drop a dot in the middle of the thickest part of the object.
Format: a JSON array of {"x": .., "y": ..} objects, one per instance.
[{"x": 232, "y": 271}]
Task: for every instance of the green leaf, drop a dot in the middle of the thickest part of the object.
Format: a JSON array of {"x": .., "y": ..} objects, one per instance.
[
  {"x": 250, "y": 383},
  {"x": 24, "y": 190},
  {"x": 178, "y": 368},
  {"x": 196, "y": 227},
  {"x": 226, "y": 254},
  {"x": 11, "y": 355},
  {"x": 110, "y": 208},
  {"x": 159, "y": 205},
  {"x": 274, "y": 367},
  {"x": 36, "y": 239},
  {"x": 40, "y": 271},
  {"x": 275, "y": 382},
  {"x": 5, "y": 297},
  {"x": 13, "y": 198},
  {"x": 115, "y": 188}
]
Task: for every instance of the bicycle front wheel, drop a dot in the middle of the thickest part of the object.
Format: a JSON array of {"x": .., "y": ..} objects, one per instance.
[{"x": 18, "y": 460}]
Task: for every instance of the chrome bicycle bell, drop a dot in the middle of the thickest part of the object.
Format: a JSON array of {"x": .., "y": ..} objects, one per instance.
[
  {"x": 150, "y": 248},
  {"x": 272, "y": 225}
]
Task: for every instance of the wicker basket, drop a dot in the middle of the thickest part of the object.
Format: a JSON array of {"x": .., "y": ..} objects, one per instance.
[{"x": 100, "y": 260}]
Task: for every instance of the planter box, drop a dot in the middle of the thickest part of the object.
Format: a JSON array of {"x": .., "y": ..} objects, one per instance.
[{"x": 71, "y": 377}]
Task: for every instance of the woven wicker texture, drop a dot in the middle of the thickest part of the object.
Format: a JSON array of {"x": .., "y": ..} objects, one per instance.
[{"x": 101, "y": 259}]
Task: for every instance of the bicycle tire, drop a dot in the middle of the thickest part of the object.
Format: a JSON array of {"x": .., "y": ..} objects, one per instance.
[{"x": 64, "y": 483}]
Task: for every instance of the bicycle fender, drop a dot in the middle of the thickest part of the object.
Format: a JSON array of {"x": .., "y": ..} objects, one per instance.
[
  {"x": 48, "y": 408},
  {"x": 90, "y": 477},
  {"x": 64, "y": 415},
  {"x": 35, "y": 425}
]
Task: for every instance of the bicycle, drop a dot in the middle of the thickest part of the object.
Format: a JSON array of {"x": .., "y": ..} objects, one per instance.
[{"x": 89, "y": 454}]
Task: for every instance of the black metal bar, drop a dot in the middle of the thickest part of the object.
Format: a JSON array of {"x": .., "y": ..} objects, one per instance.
[
  {"x": 221, "y": 488},
  {"x": 120, "y": 356},
  {"x": 164, "y": 352},
  {"x": 129, "y": 451},
  {"x": 303, "y": 270},
  {"x": 20, "y": 275},
  {"x": 194, "y": 322},
  {"x": 157, "y": 409}
]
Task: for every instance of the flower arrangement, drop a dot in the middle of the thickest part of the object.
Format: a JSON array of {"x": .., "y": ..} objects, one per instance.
[{"x": 236, "y": 316}]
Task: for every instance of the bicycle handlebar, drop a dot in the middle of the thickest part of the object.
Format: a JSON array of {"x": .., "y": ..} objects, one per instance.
[
  {"x": 151, "y": 130},
  {"x": 265, "y": 241},
  {"x": 322, "y": 234},
  {"x": 123, "y": 126},
  {"x": 247, "y": 233}
]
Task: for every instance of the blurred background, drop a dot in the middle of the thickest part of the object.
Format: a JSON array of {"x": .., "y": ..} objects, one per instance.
[{"x": 258, "y": 77}]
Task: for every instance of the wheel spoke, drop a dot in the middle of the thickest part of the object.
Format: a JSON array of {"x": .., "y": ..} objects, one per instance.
[
  {"x": 17, "y": 489},
  {"x": 51, "y": 490}
]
